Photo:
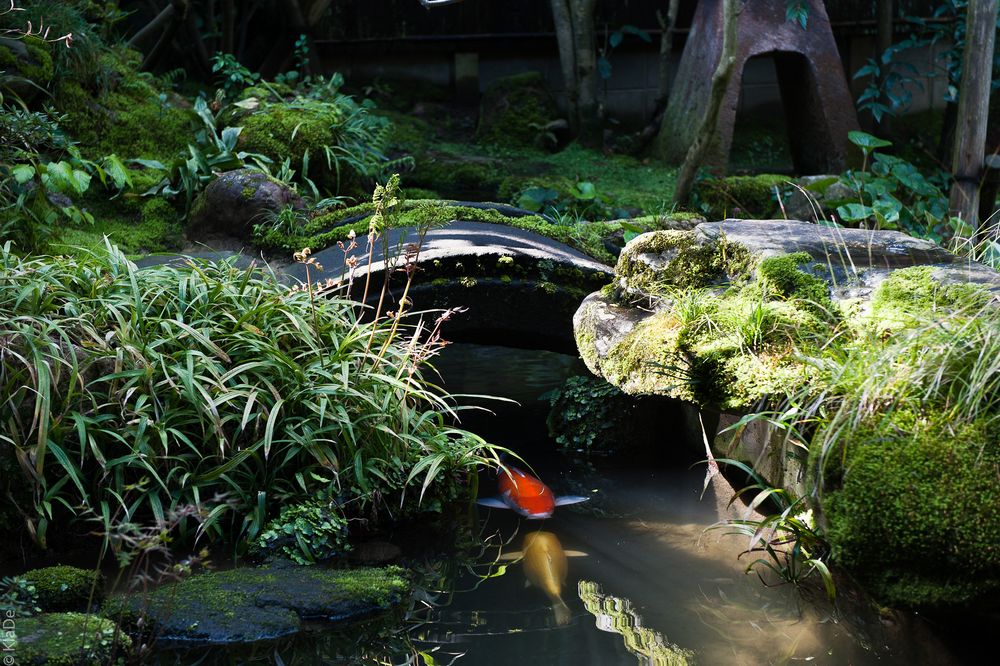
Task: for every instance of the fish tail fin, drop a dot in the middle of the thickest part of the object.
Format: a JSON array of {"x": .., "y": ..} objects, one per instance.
[{"x": 563, "y": 613}]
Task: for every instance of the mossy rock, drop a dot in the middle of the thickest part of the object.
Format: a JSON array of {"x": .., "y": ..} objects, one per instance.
[
  {"x": 251, "y": 604},
  {"x": 750, "y": 197},
  {"x": 282, "y": 131},
  {"x": 123, "y": 112},
  {"x": 671, "y": 259},
  {"x": 914, "y": 511},
  {"x": 69, "y": 639},
  {"x": 28, "y": 58},
  {"x": 514, "y": 109},
  {"x": 913, "y": 294},
  {"x": 64, "y": 588}
]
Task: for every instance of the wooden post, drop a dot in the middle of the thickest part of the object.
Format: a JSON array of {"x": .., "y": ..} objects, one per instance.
[{"x": 973, "y": 105}]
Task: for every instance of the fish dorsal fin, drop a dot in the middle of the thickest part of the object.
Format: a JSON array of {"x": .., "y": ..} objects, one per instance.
[
  {"x": 576, "y": 553},
  {"x": 570, "y": 499}
]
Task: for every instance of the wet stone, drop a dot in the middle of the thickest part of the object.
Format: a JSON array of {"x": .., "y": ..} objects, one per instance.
[{"x": 251, "y": 604}]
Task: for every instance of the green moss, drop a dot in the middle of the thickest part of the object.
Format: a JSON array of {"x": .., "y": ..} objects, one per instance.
[
  {"x": 136, "y": 225},
  {"x": 912, "y": 293},
  {"x": 784, "y": 276},
  {"x": 36, "y": 67},
  {"x": 739, "y": 196},
  {"x": 915, "y": 509},
  {"x": 514, "y": 109},
  {"x": 666, "y": 260},
  {"x": 326, "y": 229},
  {"x": 252, "y": 604},
  {"x": 123, "y": 112},
  {"x": 69, "y": 639},
  {"x": 248, "y": 193},
  {"x": 65, "y": 588},
  {"x": 281, "y": 131},
  {"x": 414, "y": 193}
]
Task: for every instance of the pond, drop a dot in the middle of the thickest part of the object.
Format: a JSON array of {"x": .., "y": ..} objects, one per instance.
[{"x": 645, "y": 583}]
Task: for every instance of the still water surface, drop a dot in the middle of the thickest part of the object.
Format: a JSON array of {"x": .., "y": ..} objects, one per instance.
[{"x": 644, "y": 582}]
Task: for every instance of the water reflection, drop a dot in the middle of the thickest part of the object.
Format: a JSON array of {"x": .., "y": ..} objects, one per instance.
[
  {"x": 544, "y": 562},
  {"x": 617, "y": 615}
]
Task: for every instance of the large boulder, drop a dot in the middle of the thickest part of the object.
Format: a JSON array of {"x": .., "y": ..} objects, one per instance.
[
  {"x": 237, "y": 200},
  {"x": 891, "y": 334}
]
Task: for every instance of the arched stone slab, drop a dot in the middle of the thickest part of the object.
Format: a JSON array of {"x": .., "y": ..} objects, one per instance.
[
  {"x": 819, "y": 109},
  {"x": 520, "y": 288}
]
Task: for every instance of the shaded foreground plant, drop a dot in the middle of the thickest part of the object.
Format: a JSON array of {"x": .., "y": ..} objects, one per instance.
[
  {"x": 785, "y": 543},
  {"x": 136, "y": 393}
]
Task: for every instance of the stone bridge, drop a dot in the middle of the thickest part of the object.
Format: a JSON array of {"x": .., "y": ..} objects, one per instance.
[{"x": 519, "y": 288}]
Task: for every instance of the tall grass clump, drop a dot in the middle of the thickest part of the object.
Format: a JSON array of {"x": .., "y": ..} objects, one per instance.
[
  {"x": 133, "y": 393},
  {"x": 907, "y": 459},
  {"x": 902, "y": 424}
]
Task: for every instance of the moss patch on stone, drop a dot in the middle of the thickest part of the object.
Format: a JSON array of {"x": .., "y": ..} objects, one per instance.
[
  {"x": 64, "y": 588},
  {"x": 666, "y": 260},
  {"x": 326, "y": 229},
  {"x": 915, "y": 510},
  {"x": 249, "y": 604},
  {"x": 911, "y": 294},
  {"x": 70, "y": 639}
]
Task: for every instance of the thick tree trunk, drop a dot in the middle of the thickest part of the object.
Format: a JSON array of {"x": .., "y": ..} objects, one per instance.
[
  {"x": 663, "y": 80},
  {"x": 567, "y": 60},
  {"x": 582, "y": 14},
  {"x": 973, "y": 106},
  {"x": 720, "y": 80}
]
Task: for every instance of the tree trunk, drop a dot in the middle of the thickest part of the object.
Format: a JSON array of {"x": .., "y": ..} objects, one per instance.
[
  {"x": 582, "y": 14},
  {"x": 720, "y": 80},
  {"x": 567, "y": 61},
  {"x": 973, "y": 106},
  {"x": 667, "y": 24}
]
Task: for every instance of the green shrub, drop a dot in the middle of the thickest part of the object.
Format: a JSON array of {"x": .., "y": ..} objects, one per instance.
[
  {"x": 305, "y": 533},
  {"x": 207, "y": 386}
]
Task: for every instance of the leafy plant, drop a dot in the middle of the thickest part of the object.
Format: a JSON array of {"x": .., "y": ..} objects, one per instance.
[
  {"x": 581, "y": 200},
  {"x": 614, "y": 41},
  {"x": 211, "y": 387},
  {"x": 785, "y": 543},
  {"x": 18, "y": 597},
  {"x": 232, "y": 73},
  {"x": 892, "y": 78},
  {"x": 894, "y": 194},
  {"x": 306, "y": 533},
  {"x": 214, "y": 151}
]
